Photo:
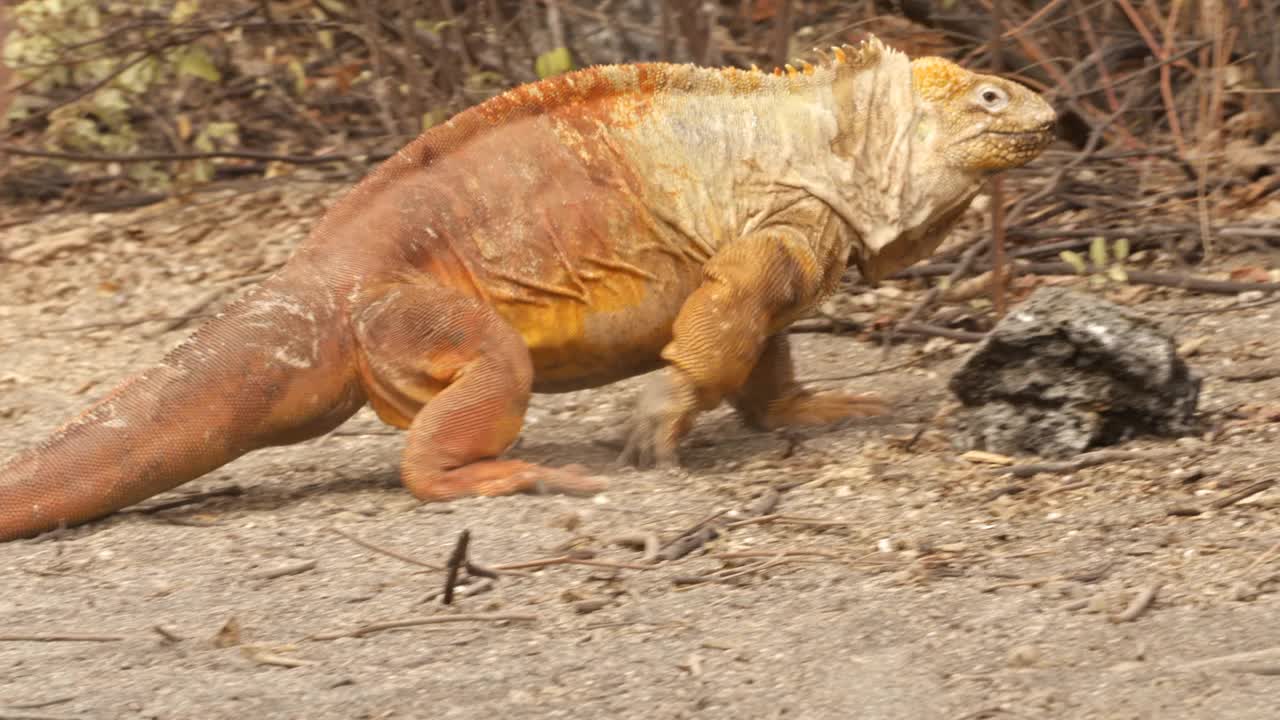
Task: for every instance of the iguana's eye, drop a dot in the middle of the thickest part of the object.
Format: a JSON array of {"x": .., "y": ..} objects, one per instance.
[{"x": 992, "y": 98}]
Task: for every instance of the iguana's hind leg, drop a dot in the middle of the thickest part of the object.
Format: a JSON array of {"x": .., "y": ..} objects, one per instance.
[
  {"x": 459, "y": 378},
  {"x": 771, "y": 398}
]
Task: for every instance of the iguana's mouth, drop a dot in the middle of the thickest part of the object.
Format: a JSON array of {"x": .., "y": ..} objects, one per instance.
[
  {"x": 1039, "y": 133},
  {"x": 1021, "y": 134}
]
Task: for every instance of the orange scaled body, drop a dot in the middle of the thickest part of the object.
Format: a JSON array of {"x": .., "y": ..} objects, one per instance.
[{"x": 563, "y": 235}]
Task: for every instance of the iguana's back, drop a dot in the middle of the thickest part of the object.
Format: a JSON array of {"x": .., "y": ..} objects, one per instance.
[{"x": 581, "y": 208}]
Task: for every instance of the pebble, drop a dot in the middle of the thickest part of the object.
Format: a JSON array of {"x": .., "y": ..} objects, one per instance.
[{"x": 1023, "y": 656}]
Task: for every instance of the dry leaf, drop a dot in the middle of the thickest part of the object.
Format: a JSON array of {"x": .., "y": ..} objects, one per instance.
[
  {"x": 988, "y": 458},
  {"x": 229, "y": 635},
  {"x": 1250, "y": 273},
  {"x": 264, "y": 656}
]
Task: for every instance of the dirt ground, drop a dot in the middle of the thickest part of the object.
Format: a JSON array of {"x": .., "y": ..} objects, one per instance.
[{"x": 900, "y": 581}]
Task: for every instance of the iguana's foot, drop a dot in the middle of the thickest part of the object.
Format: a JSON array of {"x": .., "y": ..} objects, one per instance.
[
  {"x": 810, "y": 408},
  {"x": 664, "y": 413}
]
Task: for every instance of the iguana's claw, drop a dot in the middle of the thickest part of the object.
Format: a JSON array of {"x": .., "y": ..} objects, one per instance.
[
  {"x": 568, "y": 480},
  {"x": 645, "y": 445},
  {"x": 661, "y": 418}
]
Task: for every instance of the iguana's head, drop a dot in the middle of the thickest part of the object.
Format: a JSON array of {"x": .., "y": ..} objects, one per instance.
[{"x": 983, "y": 123}]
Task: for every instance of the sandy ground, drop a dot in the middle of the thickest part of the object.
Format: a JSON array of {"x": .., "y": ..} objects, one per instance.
[{"x": 898, "y": 583}]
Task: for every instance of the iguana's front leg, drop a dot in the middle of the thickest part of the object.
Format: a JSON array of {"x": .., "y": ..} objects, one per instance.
[
  {"x": 750, "y": 291},
  {"x": 771, "y": 397}
]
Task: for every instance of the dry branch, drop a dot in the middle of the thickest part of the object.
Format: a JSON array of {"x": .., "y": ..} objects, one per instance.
[
  {"x": 1135, "y": 277},
  {"x": 385, "y": 551},
  {"x": 1139, "y": 605},
  {"x": 59, "y": 637},
  {"x": 456, "y": 560},
  {"x": 1247, "y": 491},
  {"x": 1089, "y": 459}
]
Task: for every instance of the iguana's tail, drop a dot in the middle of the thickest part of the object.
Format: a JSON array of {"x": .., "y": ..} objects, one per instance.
[{"x": 274, "y": 368}]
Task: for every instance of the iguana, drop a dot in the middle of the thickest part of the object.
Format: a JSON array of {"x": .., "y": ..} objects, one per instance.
[{"x": 565, "y": 234}]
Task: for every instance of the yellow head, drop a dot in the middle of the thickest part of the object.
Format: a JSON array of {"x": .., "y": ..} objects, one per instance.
[{"x": 984, "y": 123}]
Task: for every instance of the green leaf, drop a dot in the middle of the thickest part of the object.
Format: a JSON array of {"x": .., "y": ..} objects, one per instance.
[
  {"x": 183, "y": 10},
  {"x": 1118, "y": 274},
  {"x": 1098, "y": 252},
  {"x": 221, "y": 130},
  {"x": 431, "y": 118},
  {"x": 333, "y": 6},
  {"x": 432, "y": 27},
  {"x": 553, "y": 63},
  {"x": 204, "y": 142},
  {"x": 1075, "y": 260},
  {"x": 1121, "y": 249},
  {"x": 202, "y": 170},
  {"x": 299, "y": 77},
  {"x": 196, "y": 62}
]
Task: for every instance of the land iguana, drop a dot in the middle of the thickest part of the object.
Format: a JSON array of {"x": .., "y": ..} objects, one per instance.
[{"x": 563, "y": 235}]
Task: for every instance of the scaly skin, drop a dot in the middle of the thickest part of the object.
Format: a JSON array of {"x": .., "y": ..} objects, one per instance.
[{"x": 563, "y": 235}]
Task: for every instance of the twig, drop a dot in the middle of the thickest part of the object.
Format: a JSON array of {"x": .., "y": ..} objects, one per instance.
[
  {"x": 765, "y": 504},
  {"x": 193, "y": 498},
  {"x": 264, "y": 656},
  {"x": 66, "y": 574},
  {"x": 1000, "y": 267},
  {"x": 788, "y": 520},
  {"x": 1247, "y": 491},
  {"x": 1233, "y": 307},
  {"x": 708, "y": 530},
  {"x": 1079, "y": 462},
  {"x": 736, "y": 573},
  {"x": 569, "y": 560},
  {"x": 417, "y": 622},
  {"x": 985, "y": 712},
  {"x": 295, "y": 568},
  {"x": 1140, "y": 603},
  {"x": 1249, "y": 661},
  {"x": 697, "y": 528},
  {"x": 649, "y": 542},
  {"x": 749, "y": 554},
  {"x": 61, "y": 637},
  {"x": 385, "y": 551},
  {"x": 967, "y": 261},
  {"x": 39, "y": 703},
  {"x": 687, "y": 543},
  {"x": 1135, "y": 277},
  {"x": 7, "y": 149},
  {"x": 167, "y": 633},
  {"x": 129, "y": 322},
  {"x": 771, "y": 560},
  {"x": 915, "y": 328},
  {"x": 1253, "y": 375},
  {"x": 482, "y": 586},
  {"x": 1023, "y": 582},
  {"x": 456, "y": 561},
  {"x": 1270, "y": 553},
  {"x": 877, "y": 371}
]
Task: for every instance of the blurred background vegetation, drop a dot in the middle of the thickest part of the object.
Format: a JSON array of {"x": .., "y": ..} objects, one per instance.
[{"x": 113, "y": 104}]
